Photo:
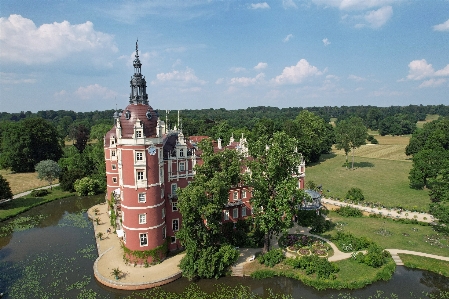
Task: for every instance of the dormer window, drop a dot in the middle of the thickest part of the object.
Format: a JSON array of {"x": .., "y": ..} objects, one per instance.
[
  {"x": 148, "y": 114},
  {"x": 128, "y": 114},
  {"x": 181, "y": 152},
  {"x": 138, "y": 134}
]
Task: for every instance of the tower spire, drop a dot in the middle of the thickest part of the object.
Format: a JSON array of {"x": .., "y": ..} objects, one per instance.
[{"x": 138, "y": 84}]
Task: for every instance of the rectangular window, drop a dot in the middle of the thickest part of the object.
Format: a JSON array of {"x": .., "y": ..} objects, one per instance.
[
  {"x": 139, "y": 156},
  {"x": 114, "y": 180},
  {"x": 226, "y": 215},
  {"x": 174, "y": 206},
  {"x": 114, "y": 166},
  {"x": 173, "y": 239},
  {"x": 244, "y": 194},
  {"x": 163, "y": 212},
  {"x": 138, "y": 133},
  {"x": 162, "y": 193},
  {"x": 143, "y": 239},
  {"x": 142, "y": 197},
  {"x": 236, "y": 195},
  {"x": 181, "y": 153},
  {"x": 113, "y": 153},
  {"x": 175, "y": 225},
  {"x": 140, "y": 175},
  {"x": 182, "y": 166},
  {"x": 243, "y": 211},
  {"x": 235, "y": 213},
  {"x": 164, "y": 232},
  {"x": 173, "y": 188},
  {"x": 142, "y": 218}
]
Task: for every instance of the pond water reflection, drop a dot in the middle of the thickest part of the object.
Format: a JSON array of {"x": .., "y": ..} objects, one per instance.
[{"x": 48, "y": 252}]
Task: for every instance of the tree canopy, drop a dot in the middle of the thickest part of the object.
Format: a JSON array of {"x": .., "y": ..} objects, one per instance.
[
  {"x": 27, "y": 142},
  {"x": 272, "y": 178},
  {"x": 48, "y": 170},
  {"x": 201, "y": 204},
  {"x": 350, "y": 134},
  {"x": 5, "y": 189}
]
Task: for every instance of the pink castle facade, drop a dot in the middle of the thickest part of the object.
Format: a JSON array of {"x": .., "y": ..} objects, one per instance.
[{"x": 146, "y": 163}]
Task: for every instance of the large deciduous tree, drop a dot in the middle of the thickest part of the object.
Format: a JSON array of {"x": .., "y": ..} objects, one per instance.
[
  {"x": 48, "y": 170},
  {"x": 313, "y": 136},
  {"x": 79, "y": 133},
  {"x": 350, "y": 134},
  {"x": 27, "y": 142},
  {"x": 275, "y": 192},
  {"x": 201, "y": 205},
  {"x": 5, "y": 189}
]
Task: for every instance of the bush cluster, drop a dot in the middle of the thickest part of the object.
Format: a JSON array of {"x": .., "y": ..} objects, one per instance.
[
  {"x": 375, "y": 256},
  {"x": 355, "y": 194},
  {"x": 87, "y": 186},
  {"x": 349, "y": 212},
  {"x": 39, "y": 192},
  {"x": 272, "y": 257},
  {"x": 313, "y": 264},
  {"x": 348, "y": 242}
]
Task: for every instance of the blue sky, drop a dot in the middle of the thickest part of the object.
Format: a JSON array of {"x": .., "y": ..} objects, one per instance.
[{"x": 77, "y": 55}]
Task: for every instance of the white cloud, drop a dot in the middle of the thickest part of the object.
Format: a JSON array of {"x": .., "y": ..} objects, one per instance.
[
  {"x": 95, "y": 91},
  {"x": 289, "y": 4},
  {"x": 247, "y": 81},
  {"x": 219, "y": 81},
  {"x": 442, "y": 27},
  {"x": 419, "y": 69},
  {"x": 287, "y": 38},
  {"x": 297, "y": 73},
  {"x": 145, "y": 58},
  {"x": 262, "y": 5},
  {"x": 354, "y": 4},
  {"x": 432, "y": 83},
  {"x": 356, "y": 78},
  {"x": 378, "y": 18},
  {"x": 23, "y": 42},
  {"x": 187, "y": 76},
  {"x": 237, "y": 69},
  {"x": 261, "y": 66},
  {"x": 13, "y": 78},
  {"x": 443, "y": 72},
  {"x": 326, "y": 42}
]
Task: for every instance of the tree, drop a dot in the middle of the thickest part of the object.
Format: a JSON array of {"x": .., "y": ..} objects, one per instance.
[
  {"x": 80, "y": 134},
  {"x": 26, "y": 143},
  {"x": 313, "y": 136},
  {"x": 350, "y": 134},
  {"x": 355, "y": 194},
  {"x": 275, "y": 193},
  {"x": 48, "y": 170},
  {"x": 201, "y": 204},
  {"x": 5, "y": 189}
]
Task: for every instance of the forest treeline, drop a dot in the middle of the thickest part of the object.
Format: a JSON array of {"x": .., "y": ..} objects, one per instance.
[{"x": 395, "y": 120}]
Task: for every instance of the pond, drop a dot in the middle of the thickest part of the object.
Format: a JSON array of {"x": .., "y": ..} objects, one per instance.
[{"x": 48, "y": 252}]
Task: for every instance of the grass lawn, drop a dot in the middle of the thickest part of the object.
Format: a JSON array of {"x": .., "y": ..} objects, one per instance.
[
  {"x": 382, "y": 181},
  {"x": 429, "y": 118},
  {"x": 22, "y": 204},
  {"x": 20, "y": 182},
  {"x": 392, "y": 234},
  {"x": 425, "y": 263}
]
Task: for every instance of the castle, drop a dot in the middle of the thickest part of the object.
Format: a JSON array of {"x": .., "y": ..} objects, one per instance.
[{"x": 146, "y": 163}]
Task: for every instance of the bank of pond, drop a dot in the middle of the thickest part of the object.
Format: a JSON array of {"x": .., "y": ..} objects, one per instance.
[{"x": 48, "y": 252}]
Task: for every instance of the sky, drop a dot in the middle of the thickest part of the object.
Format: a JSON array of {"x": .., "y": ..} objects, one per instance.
[{"x": 77, "y": 55}]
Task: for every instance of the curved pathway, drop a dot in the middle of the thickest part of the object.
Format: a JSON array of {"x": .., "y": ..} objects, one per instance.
[{"x": 26, "y": 193}]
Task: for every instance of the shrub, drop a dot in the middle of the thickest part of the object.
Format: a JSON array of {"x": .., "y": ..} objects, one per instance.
[
  {"x": 68, "y": 177},
  {"x": 272, "y": 257},
  {"x": 265, "y": 273},
  {"x": 348, "y": 242},
  {"x": 86, "y": 186},
  {"x": 349, "y": 212},
  {"x": 375, "y": 256},
  {"x": 355, "y": 194},
  {"x": 39, "y": 192},
  {"x": 313, "y": 264},
  {"x": 320, "y": 225}
]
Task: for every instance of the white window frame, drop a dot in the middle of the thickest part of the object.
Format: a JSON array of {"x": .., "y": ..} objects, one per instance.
[
  {"x": 173, "y": 239},
  {"x": 142, "y": 218},
  {"x": 163, "y": 212},
  {"x": 139, "y": 156},
  {"x": 243, "y": 193},
  {"x": 182, "y": 166},
  {"x": 181, "y": 152},
  {"x": 173, "y": 190},
  {"x": 114, "y": 180},
  {"x": 174, "y": 206},
  {"x": 236, "y": 195},
  {"x": 114, "y": 166},
  {"x": 173, "y": 226},
  {"x": 164, "y": 233},
  {"x": 113, "y": 153},
  {"x": 162, "y": 193},
  {"x": 140, "y": 175},
  {"x": 235, "y": 213},
  {"x": 142, "y": 197},
  {"x": 226, "y": 214},
  {"x": 138, "y": 133},
  {"x": 244, "y": 211},
  {"x": 143, "y": 237}
]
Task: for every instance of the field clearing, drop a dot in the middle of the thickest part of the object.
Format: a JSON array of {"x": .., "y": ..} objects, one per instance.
[
  {"x": 382, "y": 181},
  {"x": 378, "y": 151},
  {"x": 429, "y": 118},
  {"x": 20, "y": 182}
]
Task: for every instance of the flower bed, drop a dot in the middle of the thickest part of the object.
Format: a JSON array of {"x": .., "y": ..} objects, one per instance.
[{"x": 304, "y": 251}]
